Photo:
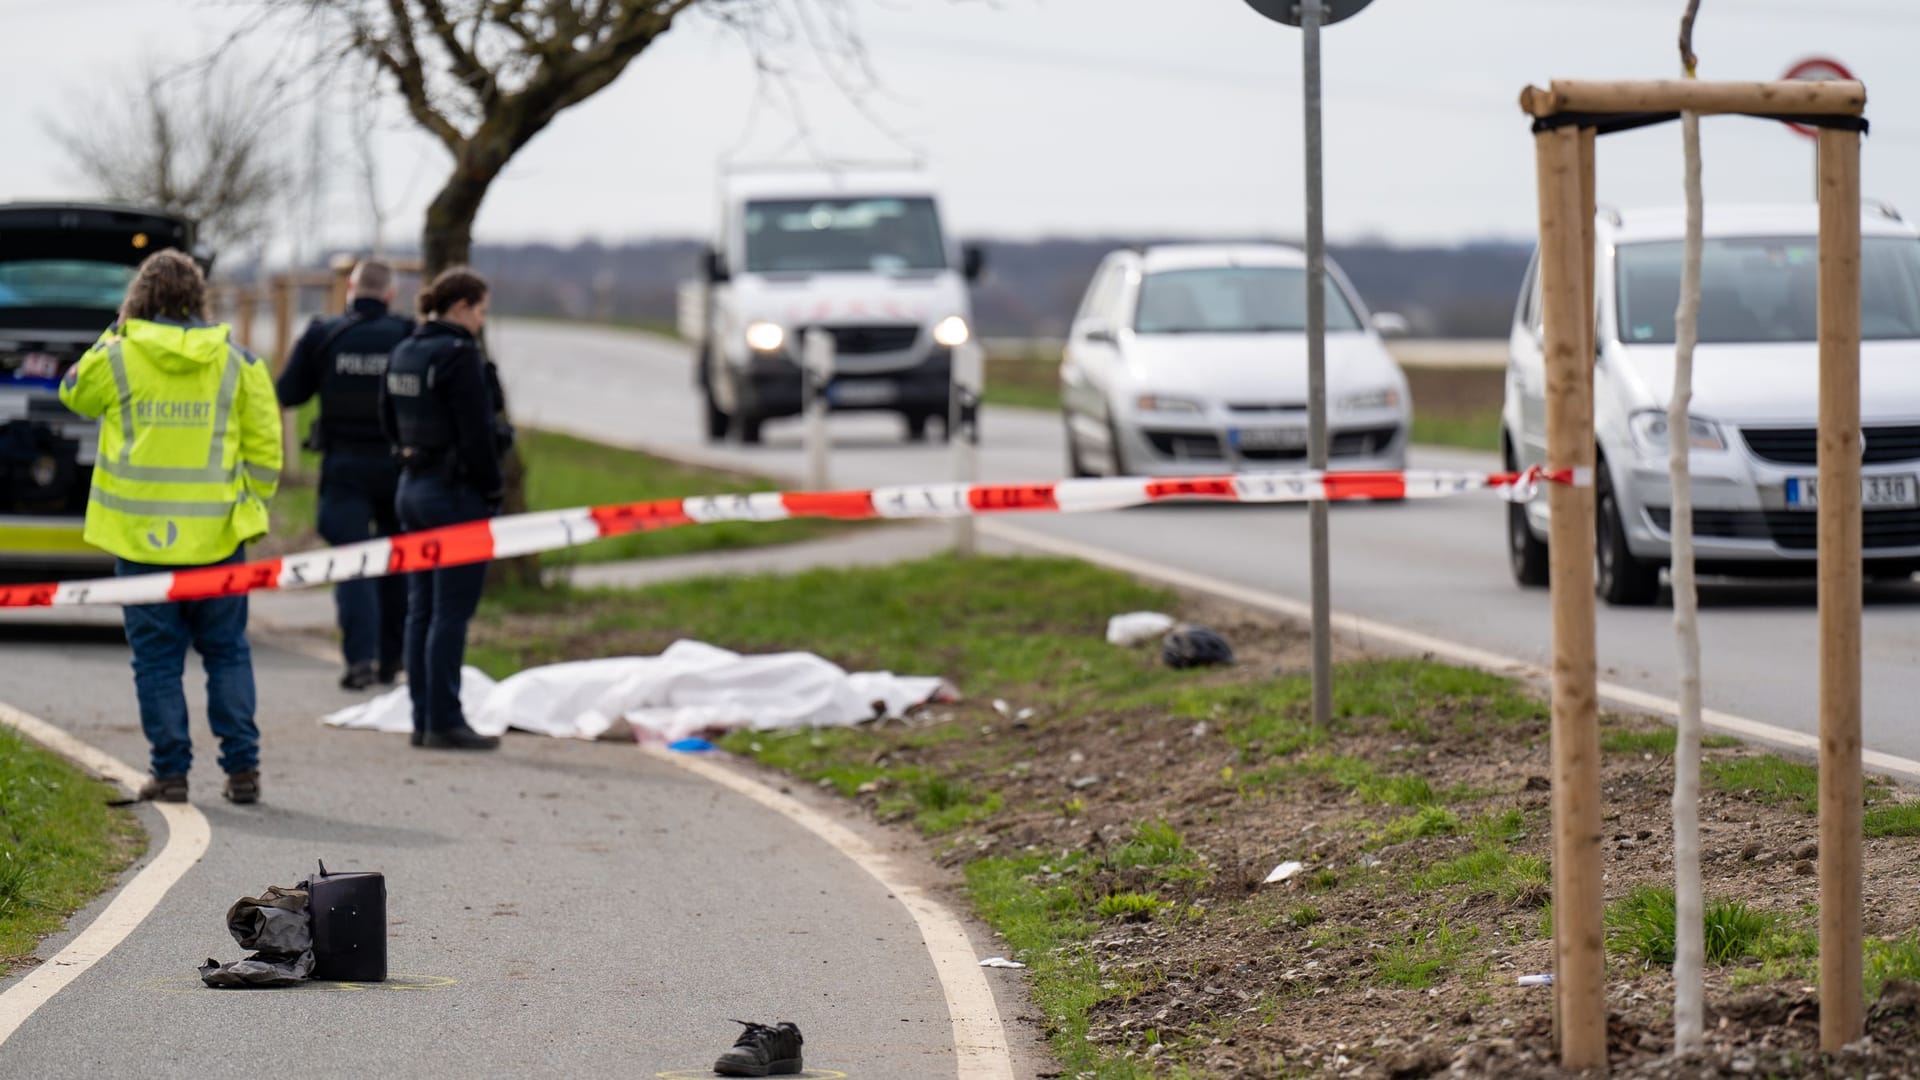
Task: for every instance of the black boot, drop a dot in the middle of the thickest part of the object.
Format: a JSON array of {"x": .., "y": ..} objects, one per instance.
[
  {"x": 358, "y": 677},
  {"x": 460, "y": 738}
]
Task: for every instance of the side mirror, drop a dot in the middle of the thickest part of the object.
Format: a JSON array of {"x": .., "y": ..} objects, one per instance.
[
  {"x": 973, "y": 261},
  {"x": 714, "y": 265},
  {"x": 1391, "y": 324}
]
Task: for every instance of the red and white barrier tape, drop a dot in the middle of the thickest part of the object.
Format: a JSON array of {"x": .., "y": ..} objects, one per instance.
[{"x": 552, "y": 530}]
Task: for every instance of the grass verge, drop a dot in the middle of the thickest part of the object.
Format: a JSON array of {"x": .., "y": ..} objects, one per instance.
[{"x": 60, "y": 843}]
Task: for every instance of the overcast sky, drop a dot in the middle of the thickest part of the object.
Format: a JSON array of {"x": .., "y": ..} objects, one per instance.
[{"x": 1076, "y": 117}]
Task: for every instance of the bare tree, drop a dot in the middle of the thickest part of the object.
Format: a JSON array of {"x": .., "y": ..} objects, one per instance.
[{"x": 198, "y": 142}]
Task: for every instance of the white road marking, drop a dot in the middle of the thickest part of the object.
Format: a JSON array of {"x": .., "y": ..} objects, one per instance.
[
  {"x": 1357, "y": 628},
  {"x": 187, "y": 837},
  {"x": 979, "y": 1040}
]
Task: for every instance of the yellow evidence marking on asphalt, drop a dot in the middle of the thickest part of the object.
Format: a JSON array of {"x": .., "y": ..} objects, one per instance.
[
  {"x": 979, "y": 1040},
  {"x": 187, "y": 838}
]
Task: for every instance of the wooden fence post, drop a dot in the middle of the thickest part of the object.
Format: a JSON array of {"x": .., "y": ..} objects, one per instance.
[
  {"x": 1564, "y": 160},
  {"x": 1841, "y": 989}
]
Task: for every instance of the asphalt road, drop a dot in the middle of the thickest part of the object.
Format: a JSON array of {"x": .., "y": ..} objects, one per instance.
[
  {"x": 557, "y": 908},
  {"x": 1438, "y": 567}
]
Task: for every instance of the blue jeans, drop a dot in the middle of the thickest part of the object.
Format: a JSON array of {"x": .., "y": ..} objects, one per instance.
[
  {"x": 160, "y": 635},
  {"x": 440, "y": 603},
  {"x": 357, "y": 493}
]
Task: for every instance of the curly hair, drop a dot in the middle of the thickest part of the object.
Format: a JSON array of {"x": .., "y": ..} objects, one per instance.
[{"x": 168, "y": 285}]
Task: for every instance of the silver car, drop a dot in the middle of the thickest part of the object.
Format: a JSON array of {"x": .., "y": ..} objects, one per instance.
[
  {"x": 1191, "y": 359},
  {"x": 1755, "y": 398}
]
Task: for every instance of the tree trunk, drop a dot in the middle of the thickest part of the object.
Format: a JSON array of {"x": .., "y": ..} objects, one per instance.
[
  {"x": 447, "y": 240},
  {"x": 1689, "y": 1006}
]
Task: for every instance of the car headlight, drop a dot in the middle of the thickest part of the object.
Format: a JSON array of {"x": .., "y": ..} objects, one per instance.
[
  {"x": 1161, "y": 403},
  {"x": 765, "y": 337},
  {"x": 1650, "y": 433},
  {"x": 1387, "y": 398},
  {"x": 952, "y": 332}
]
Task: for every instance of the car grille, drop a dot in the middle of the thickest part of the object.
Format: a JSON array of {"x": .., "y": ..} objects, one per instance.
[
  {"x": 1267, "y": 406},
  {"x": 861, "y": 340},
  {"x": 1185, "y": 445},
  {"x": 1365, "y": 442},
  {"x": 1795, "y": 530},
  {"x": 1800, "y": 446}
]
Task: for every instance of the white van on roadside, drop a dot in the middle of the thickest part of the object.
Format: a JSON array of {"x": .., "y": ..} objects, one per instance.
[{"x": 861, "y": 254}]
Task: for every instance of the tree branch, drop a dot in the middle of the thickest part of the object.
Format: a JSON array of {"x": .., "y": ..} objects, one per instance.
[
  {"x": 408, "y": 73},
  {"x": 467, "y": 68}
]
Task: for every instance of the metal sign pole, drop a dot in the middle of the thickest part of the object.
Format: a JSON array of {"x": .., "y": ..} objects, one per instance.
[
  {"x": 816, "y": 365},
  {"x": 963, "y": 430},
  {"x": 1310, "y": 17}
]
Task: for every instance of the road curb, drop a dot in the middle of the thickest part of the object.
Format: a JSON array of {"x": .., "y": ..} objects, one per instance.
[{"x": 188, "y": 835}]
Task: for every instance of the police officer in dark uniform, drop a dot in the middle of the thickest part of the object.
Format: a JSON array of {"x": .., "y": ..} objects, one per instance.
[
  {"x": 343, "y": 360},
  {"x": 439, "y": 407}
]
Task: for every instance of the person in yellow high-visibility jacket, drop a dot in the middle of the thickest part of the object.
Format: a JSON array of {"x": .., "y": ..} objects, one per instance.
[{"x": 189, "y": 456}]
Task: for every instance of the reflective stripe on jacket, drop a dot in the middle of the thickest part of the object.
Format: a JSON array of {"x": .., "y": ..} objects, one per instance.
[{"x": 189, "y": 442}]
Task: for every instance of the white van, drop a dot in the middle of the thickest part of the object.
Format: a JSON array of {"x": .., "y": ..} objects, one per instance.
[{"x": 860, "y": 254}]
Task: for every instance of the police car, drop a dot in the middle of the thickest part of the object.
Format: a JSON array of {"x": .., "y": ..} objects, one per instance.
[{"x": 64, "y": 270}]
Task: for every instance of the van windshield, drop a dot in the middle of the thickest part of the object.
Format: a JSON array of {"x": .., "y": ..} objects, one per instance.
[
  {"x": 877, "y": 235},
  {"x": 63, "y": 283},
  {"x": 1757, "y": 289},
  {"x": 1234, "y": 300}
]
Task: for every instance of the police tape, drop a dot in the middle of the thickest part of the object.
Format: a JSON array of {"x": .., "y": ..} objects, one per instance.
[{"x": 553, "y": 530}]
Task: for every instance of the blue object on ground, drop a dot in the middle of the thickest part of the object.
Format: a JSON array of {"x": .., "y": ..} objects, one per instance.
[{"x": 690, "y": 746}]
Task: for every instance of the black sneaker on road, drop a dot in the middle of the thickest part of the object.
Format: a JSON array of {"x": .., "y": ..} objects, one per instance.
[
  {"x": 243, "y": 787},
  {"x": 762, "y": 1051},
  {"x": 358, "y": 677}
]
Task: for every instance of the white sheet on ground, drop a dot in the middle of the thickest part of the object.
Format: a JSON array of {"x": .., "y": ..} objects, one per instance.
[{"x": 689, "y": 689}]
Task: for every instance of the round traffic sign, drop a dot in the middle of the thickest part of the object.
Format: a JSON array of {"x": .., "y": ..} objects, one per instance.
[
  {"x": 1815, "y": 68},
  {"x": 1288, "y": 11}
]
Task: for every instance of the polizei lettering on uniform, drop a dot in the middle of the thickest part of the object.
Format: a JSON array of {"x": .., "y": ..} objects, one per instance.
[
  {"x": 173, "y": 413},
  {"x": 360, "y": 364},
  {"x": 403, "y": 385}
]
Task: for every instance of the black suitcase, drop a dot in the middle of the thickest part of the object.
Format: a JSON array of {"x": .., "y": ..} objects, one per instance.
[{"x": 349, "y": 915}]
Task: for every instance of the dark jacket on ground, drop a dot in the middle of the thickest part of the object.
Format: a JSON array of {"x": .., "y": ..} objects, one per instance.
[
  {"x": 344, "y": 360},
  {"x": 437, "y": 406}
]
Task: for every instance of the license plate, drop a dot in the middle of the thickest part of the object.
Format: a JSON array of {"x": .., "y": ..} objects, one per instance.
[
  {"x": 1876, "y": 492},
  {"x": 863, "y": 392},
  {"x": 1267, "y": 438}
]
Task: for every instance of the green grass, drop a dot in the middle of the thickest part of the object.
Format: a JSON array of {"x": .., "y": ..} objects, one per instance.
[
  {"x": 1891, "y": 958},
  {"x": 1521, "y": 880},
  {"x": 60, "y": 844},
  {"x": 1478, "y": 431},
  {"x": 1773, "y": 779},
  {"x": 1642, "y": 925},
  {"x": 1659, "y": 742},
  {"x": 1158, "y": 847},
  {"x": 1024, "y": 380},
  {"x": 1419, "y": 960},
  {"x": 564, "y": 472},
  {"x": 1127, "y": 905},
  {"x": 994, "y": 625},
  {"x": 1422, "y": 823},
  {"x": 1899, "y": 819},
  {"x": 1045, "y": 925}
]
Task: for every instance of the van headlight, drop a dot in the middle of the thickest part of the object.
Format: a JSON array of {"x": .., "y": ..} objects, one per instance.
[
  {"x": 952, "y": 332},
  {"x": 1650, "y": 435},
  {"x": 1387, "y": 398},
  {"x": 765, "y": 337}
]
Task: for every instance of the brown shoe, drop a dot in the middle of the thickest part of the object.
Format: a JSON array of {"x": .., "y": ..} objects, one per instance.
[
  {"x": 164, "y": 789},
  {"x": 243, "y": 787}
]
